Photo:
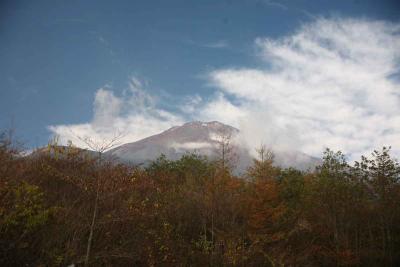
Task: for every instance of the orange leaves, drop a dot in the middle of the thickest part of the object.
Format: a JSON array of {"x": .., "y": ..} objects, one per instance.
[{"x": 265, "y": 205}]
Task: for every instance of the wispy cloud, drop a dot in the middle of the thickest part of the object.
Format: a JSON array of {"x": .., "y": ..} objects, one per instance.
[
  {"x": 191, "y": 104},
  {"x": 218, "y": 44},
  {"x": 275, "y": 4},
  {"x": 106, "y": 44}
]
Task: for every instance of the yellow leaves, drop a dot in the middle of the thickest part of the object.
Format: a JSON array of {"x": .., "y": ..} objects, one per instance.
[{"x": 28, "y": 211}]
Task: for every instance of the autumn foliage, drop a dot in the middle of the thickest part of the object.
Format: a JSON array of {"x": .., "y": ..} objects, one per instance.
[{"x": 195, "y": 212}]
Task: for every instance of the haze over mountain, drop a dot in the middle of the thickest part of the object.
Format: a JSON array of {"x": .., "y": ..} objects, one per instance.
[{"x": 203, "y": 138}]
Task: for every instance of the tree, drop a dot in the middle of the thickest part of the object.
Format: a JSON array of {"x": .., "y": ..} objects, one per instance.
[
  {"x": 99, "y": 147},
  {"x": 225, "y": 150},
  {"x": 262, "y": 168},
  {"x": 380, "y": 176}
]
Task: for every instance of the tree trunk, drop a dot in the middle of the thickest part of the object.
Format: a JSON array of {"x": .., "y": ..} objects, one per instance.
[{"x": 89, "y": 245}]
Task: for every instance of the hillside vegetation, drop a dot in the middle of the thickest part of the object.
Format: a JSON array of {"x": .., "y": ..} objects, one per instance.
[{"x": 66, "y": 207}]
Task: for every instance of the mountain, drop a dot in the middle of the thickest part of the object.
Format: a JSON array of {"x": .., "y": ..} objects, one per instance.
[
  {"x": 199, "y": 137},
  {"x": 202, "y": 138}
]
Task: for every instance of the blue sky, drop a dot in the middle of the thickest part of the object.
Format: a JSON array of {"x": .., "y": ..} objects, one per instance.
[{"x": 58, "y": 56}]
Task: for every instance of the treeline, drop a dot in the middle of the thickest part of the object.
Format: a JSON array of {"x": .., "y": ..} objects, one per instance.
[{"x": 66, "y": 207}]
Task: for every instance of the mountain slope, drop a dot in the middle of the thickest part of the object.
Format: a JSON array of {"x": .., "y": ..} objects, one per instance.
[
  {"x": 174, "y": 142},
  {"x": 202, "y": 138}
]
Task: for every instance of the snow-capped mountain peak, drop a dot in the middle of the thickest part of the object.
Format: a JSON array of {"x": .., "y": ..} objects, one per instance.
[{"x": 199, "y": 137}]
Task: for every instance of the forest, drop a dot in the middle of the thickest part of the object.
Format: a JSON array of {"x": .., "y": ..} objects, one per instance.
[{"x": 64, "y": 207}]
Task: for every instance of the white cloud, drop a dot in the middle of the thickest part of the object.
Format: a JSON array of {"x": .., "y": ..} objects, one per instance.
[
  {"x": 134, "y": 115},
  {"x": 106, "y": 108},
  {"x": 191, "y": 104},
  {"x": 190, "y": 146},
  {"x": 326, "y": 85},
  {"x": 221, "y": 109}
]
